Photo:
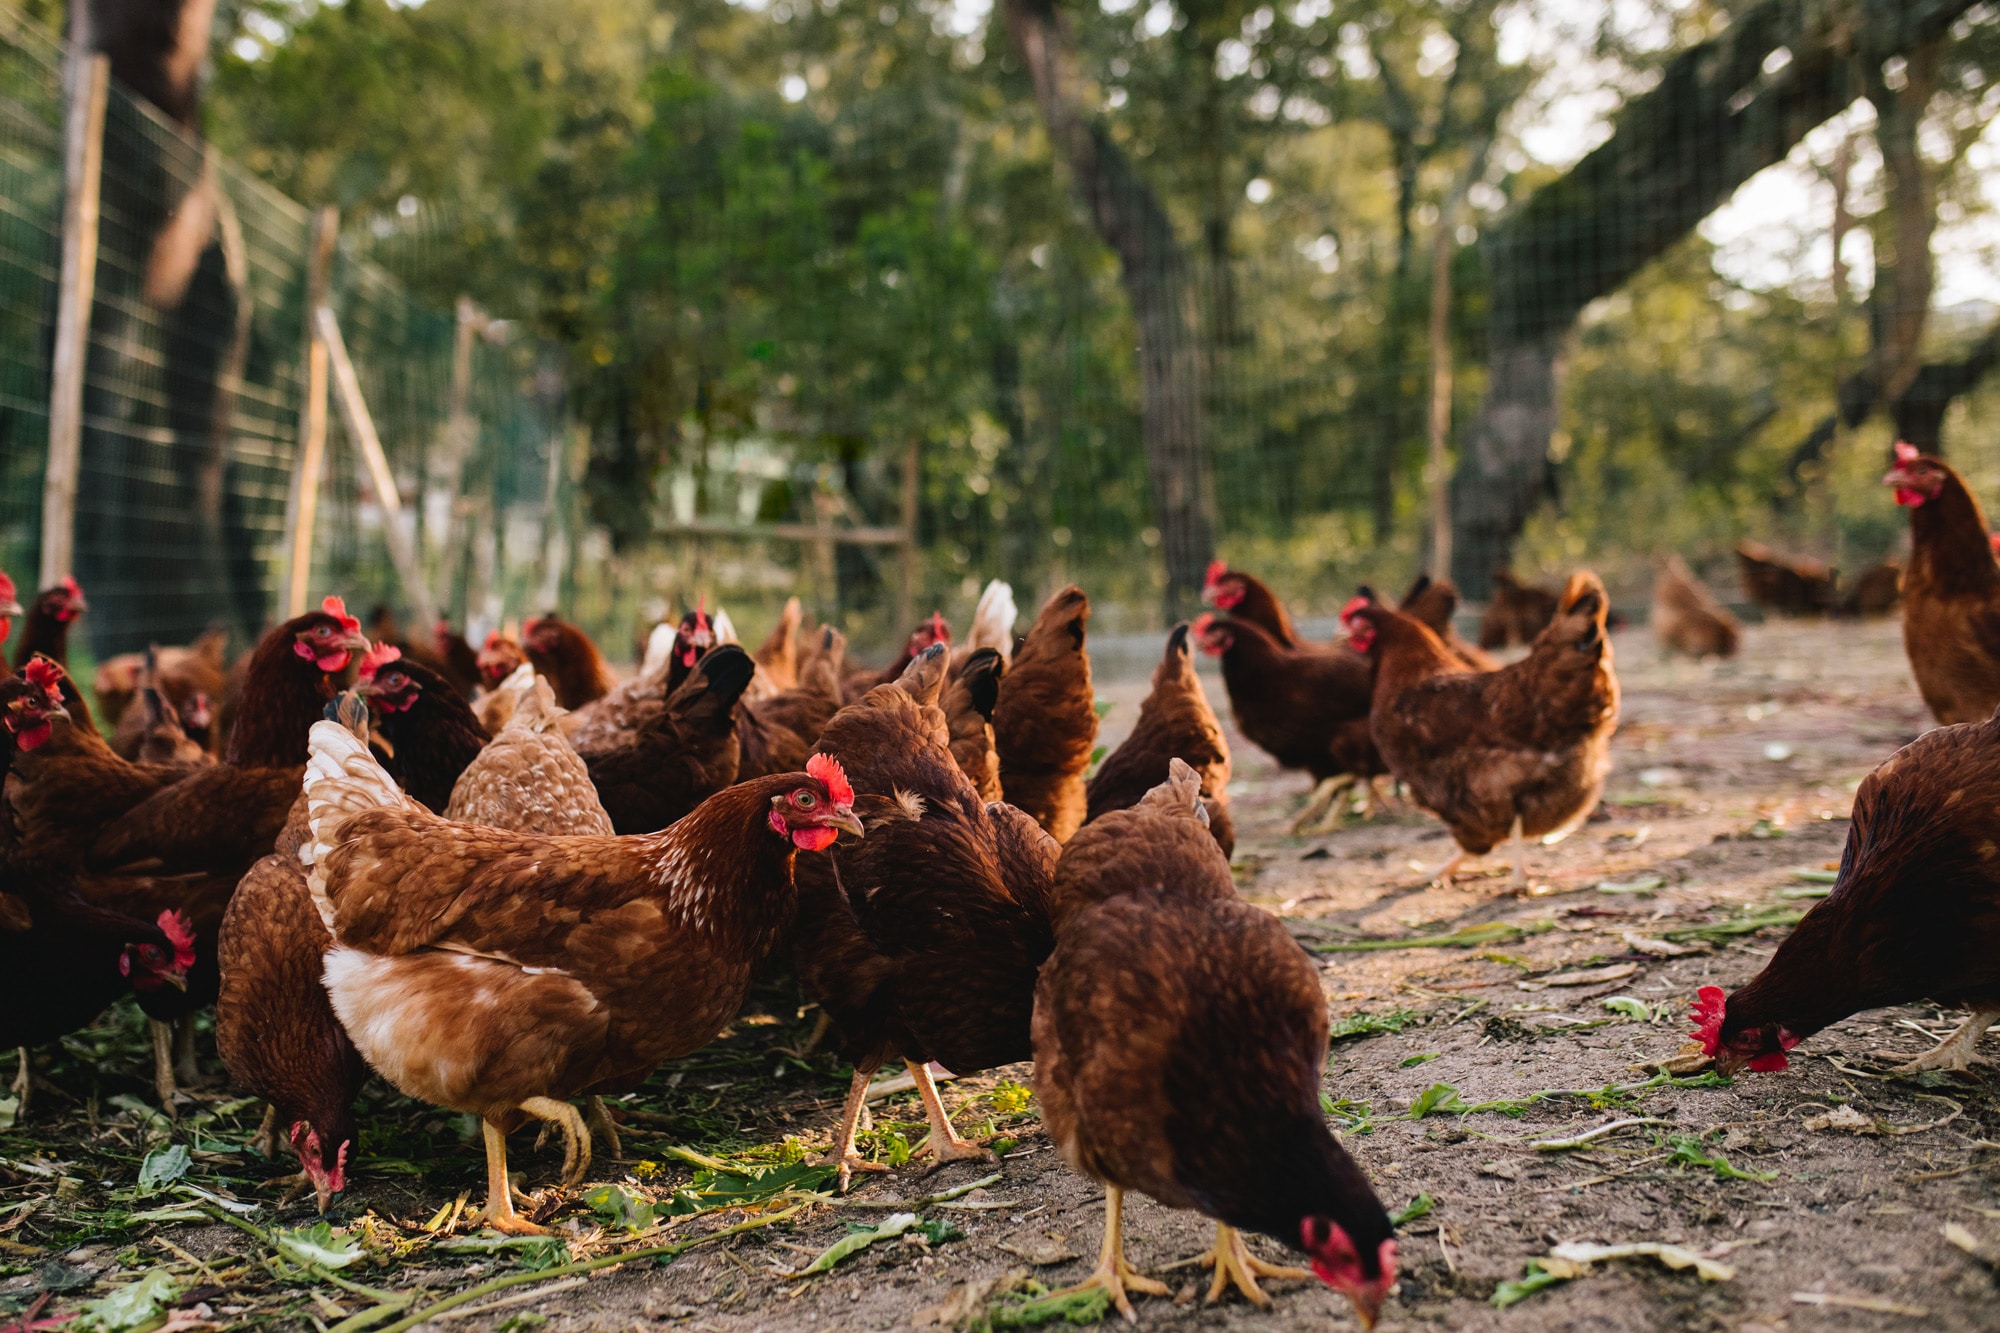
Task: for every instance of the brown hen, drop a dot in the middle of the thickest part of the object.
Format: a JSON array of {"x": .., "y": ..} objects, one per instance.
[
  {"x": 1045, "y": 717},
  {"x": 1175, "y": 722}
]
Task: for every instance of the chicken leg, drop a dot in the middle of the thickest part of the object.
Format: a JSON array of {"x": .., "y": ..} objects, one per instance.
[
  {"x": 945, "y": 1144},
  {"x": 1113, "y": 1274},
  {"x": 1520, "y": 842},
  {"x": 1955, "y": 1051},
  {"x": 1324, "y": 802},
  {"x": 1235, "y": 1266},
  {"x": 500, "y": 1214},
  {"x": 1441, "y": 877},
  {"x": 23, "y": 1085},
  {"x": 163, "y": 1064},
  {"x": 186, "y": 1071},
  {"x": 842, "y": 1152}
]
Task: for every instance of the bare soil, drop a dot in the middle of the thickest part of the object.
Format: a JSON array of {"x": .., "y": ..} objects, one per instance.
[{"x": 1730, "y": 781}]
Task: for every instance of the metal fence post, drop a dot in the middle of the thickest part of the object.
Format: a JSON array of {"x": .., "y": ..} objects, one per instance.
[
  {"x": 302, "y": 504},
  {"x": 83, "y": 163}
]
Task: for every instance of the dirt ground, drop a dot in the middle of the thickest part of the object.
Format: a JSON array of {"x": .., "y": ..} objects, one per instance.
[{"x": 1728, "y": 803}]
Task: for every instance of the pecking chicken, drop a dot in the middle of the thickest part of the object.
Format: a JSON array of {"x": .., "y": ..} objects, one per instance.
[
  {"x": 1179, "y": 1037},
  {"x": 426, "y": 731},
  {"x": 274, "y": 1025},
  {"x": 921, "y": 940},
  {"x": 1914, "y": 915},
  {"x": 1306, "y": 707},
  {"x": 682, "y": 756},
  {"x": 1686, "y": 617},
  {"x": 1951, "y": 590},
  {"x": 498, "y": 973},
  {"x": 1175, "y": 722},
  {"x": 1791, "y": 586},
  {"x": 565, "y": 654},
  {"x": 1518, "y": 612},
  {"x": 47, "y": 628},
  {"x": 1045, "y": 717},
  {"x": 1520, "y": 752}
]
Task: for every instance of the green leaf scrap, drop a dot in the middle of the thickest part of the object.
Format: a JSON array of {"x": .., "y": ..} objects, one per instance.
[
  {"x": 855, "y": 1241},
  {"x": 318, "y": 1246},
  {"x": 132, "y": 1306},
  {"x": 1363, "y": 1023},
  {"x": 619, "y": 1207},
  {"x": 163, "y": 1168},
  {"x": 1536, "y": 1278}
]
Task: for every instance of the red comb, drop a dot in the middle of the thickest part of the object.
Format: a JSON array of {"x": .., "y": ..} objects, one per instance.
[
  {"x": 939, "y": 628},
  {"x": 1352, "y": 607},
  {"x": 180, "y": 933},
  {"x": 1216, "y": 569},
  {"x": 336, "y": 608},
  {"x": 1905, "y": 452},
  {"x": 1202, "y": 623},
  {"x": 828, "y": 770},
  {"x": 71, "y": 586},
  {"x": 1709, "y": 1003},
  {"x": 6, "y": 587},
  {"x": 41, "y": 671},
  {"x": 378, "y": 657},
  {"x": 1993, "y": 539}
]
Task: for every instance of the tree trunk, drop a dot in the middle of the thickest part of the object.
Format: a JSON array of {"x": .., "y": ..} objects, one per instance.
[
  {"x": 1715, "y": 119},
  {"x": 1158, "y": 281}
]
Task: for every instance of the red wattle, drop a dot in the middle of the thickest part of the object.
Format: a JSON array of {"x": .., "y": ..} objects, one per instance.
[
  {"x": 332, "y": 662},
  {"x": 813, "y": 839},
  {"x": 1908, "y": 498}
]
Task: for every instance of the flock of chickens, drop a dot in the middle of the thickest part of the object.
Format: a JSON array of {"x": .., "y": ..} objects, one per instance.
[{"x": 508, "y": 883}]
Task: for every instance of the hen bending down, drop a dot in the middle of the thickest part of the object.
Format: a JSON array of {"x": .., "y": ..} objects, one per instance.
[{"x": 500, "y": 973}]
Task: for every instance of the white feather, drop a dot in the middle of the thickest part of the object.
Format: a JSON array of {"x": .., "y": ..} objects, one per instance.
[
  {"x": 993, "y": 621},
  {"x": 724, "y": 627},
  {"x": 659, "y": 645}
]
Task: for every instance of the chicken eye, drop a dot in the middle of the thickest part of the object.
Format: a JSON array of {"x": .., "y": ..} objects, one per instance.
[{"x": 806, "y": 800}]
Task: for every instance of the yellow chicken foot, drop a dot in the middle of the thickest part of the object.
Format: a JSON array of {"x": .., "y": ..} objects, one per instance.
[
  {"x": 1441, "y": 877},
  {"x": 568, "y": 1121},
  {"x": 163, "y": 1065},
  {"x": 1235, "y": 1265},
  {"x": 1955, "y": 1051},
  {"x": 820, "y": 1028},
  {"x": 842, "y": 1153},
  {"x": 23, "y": 1085},
  {"x": 500, "y": 1214},
  {"x": 1113, "y": 1274},
  {"x": 1322, "y": 803},
  {"x": 603, "y": 1129},
  {"x": 945, "y": 1144},
  {"x": 1520, "y": 856}
]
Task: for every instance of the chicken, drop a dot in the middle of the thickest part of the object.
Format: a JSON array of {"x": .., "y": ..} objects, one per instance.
[
  {"x": 10, "y": 606},
  {"x": 1179, "y": 1037},
  {"x": 1045, "y": 718},
  {"x": 1914, "y": 914},
  {"x": 916, "y": 940},
  {"x": 1435, "y": 602},
  {"x": 164, "y": 740},
  {"x": 684, "y": 755},
  {"x": 149, "y": 838},
  {"x": 777, "y": 731},
  {"x": 857, "y": 683},
  {"x": 497, "y": 973},
  {"x": 1686, "y": 617},
  {"x": 777, "y": 657},
  {"x": 565, "y": 654},
  {"x": 429, "y": 732},
  {"x": 530, "y": 779},
  {"x": 193, "y": 679},
  {"x": 630, "y": 705},
  {"x": 49, "y": 619},
  {"x": 1951, "y": 590},
  {"x": 274, "y": 1025},
  {"x": 1520, "y": 752},
  {"x": 459, "y": 660},
  {"x": 1247, "y": 598},
  {"x": 968, "y": 701},
  {"x": 1175, "y": 722},
  {"x": 1875, "y": 591},
  {"x": 1518, "y": 612},
  {"x": 1791, "y": 587},
  {"x": 992, "y": 624},
  {"x": 1305, "y": 706}
]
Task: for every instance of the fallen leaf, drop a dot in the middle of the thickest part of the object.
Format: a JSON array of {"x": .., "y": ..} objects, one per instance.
[
  {"x": 1658, "y": 948},
  {"x": 1582, "y": 1255},
  {"x": 1590, "y": 976},
  {"x": 1843, "y": 1117},
  {"x": 1502, "y": 1170},
  {"x": 1872, "y": 1304}
]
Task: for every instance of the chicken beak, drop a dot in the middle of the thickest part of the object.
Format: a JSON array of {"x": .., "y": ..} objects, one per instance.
[
  {"x": 844, "y": 819},
  {"x": 57, "y": 710},
  {"x": 11, "y": 608},
  {"x": 175, "y": 979}
]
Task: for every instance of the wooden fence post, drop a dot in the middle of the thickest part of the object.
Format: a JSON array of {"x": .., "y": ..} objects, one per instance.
[
  {"x": 89, "y": 85},
  {"x": 360, "y": 425},
  {"x": 302, "y": 505}
]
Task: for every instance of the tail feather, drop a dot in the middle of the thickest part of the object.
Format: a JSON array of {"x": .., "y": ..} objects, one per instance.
[
  {"x": 659, "y": 647},
  {"x": 724, "y": 627},
  {"x": 993, "y": 621},
  {"x": 342, "y": 780}
]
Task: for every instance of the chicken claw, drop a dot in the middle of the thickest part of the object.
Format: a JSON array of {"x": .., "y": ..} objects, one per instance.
[
  {"x": 22, "y": 1086},
  {"x": 1955, "y": 1051},
  {"x": 576, "y": 1135},
  {"x": 603, "y": 1129},
  {"x": 1235, "y": 1265},
  {"x": 1112, "y": 1274},
  {"x": 1322, "y": 809},
  {"x": 945, "y": 1144}
]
